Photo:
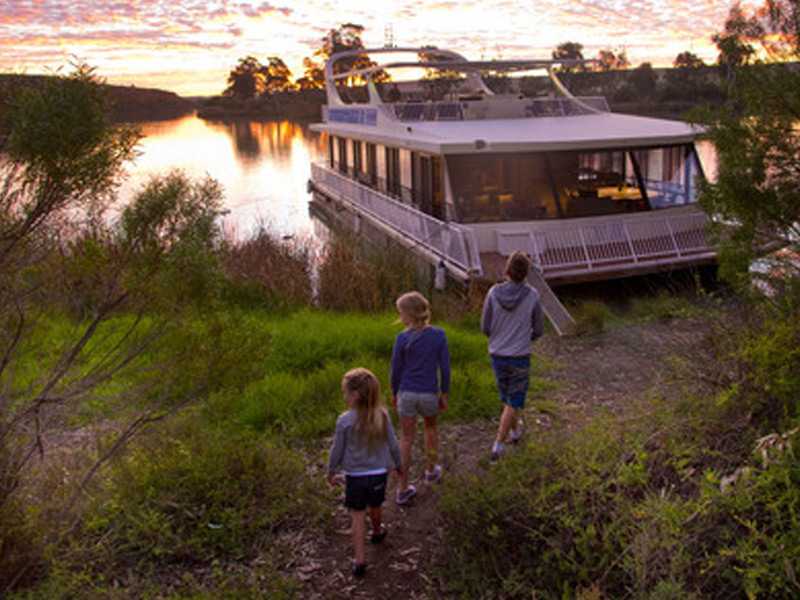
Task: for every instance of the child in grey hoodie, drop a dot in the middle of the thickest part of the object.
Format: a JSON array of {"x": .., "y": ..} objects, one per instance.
[{"x": 511, "y": 319}]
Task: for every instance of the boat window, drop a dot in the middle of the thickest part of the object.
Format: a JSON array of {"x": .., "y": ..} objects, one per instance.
[
  {"x": 380, "y": 168},
  {"x": 426, "y": 190},
  {"x": 669, "y": 175},
  {"x": 502, "y": 187},
  {"x": 358, "y": 162},
  {"x": 393, "y": 171},
  {"x": 343, "y": 155},
  {"x": 372, "y": 167},
  {"x": 406, "y": 177},
  {"x": 602, "y": 183},
  {"x": 530, "y": 186}
]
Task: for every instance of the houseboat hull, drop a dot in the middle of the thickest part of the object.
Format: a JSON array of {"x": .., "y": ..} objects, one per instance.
[{"x": 565, "y": 251}]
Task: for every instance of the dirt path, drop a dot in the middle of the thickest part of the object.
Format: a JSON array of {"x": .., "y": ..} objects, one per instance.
[{"x": 603, "y": 370}]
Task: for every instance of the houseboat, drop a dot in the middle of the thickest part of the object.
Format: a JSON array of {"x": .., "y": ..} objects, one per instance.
[{"x": 463, "y": 176}]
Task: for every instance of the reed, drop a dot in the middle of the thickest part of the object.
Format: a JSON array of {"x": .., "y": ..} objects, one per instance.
[{"x": 265, "y": 270}]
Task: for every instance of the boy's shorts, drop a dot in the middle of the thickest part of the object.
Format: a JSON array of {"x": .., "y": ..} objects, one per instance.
[
  {"x": 512, "y": 373},
  {"x": 411, "y": 404},
  {"x": 361, "y": 491}
]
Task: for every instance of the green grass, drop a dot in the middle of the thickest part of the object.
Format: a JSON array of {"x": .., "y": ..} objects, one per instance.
[{"x": 298, "y": 392}]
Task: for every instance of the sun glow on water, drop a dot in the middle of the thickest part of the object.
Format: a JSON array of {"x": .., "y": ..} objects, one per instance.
[{"x": 263, "y": 168}]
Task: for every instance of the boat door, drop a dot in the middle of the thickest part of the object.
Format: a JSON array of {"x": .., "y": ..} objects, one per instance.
[{"x": 427, "y": 176}]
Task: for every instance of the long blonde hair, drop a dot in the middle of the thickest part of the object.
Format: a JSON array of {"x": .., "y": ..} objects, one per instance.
[
  {"x": 370, "y": 416},
  {"x": 416, "y": 307}
]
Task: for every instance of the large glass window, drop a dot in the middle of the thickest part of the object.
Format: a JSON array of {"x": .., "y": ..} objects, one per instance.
[
  {"x": 668, "y": 175},
  {"x": 519, "y": 187}
]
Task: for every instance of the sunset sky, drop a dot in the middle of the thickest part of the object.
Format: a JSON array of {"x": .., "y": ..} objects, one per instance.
[{"x": 190, "y": 46}]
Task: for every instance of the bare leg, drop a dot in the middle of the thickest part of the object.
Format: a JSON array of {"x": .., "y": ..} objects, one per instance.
[
  {"x": 375, "y": 518},
  {"x": 508, "y": 421},
  {"x": 359, "y": 527},
  {"x": 431, "y": 443},
  {"x": 406, "y": 441}
]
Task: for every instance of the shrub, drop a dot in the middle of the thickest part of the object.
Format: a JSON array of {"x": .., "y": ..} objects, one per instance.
[
  {"x": 353, "y": 276},
  {"x": 676, "y": 498},
  {"x": 189, "y": 496},
  {"x": 591, "y": 316},
  {"x": 265, "y": 271}
]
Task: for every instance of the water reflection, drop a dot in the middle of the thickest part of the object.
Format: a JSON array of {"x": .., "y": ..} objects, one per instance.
[{"x": 262, "y": 166}]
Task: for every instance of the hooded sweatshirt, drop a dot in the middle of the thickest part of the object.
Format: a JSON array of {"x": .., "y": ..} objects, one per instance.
[{"x": 512, "y": 319}]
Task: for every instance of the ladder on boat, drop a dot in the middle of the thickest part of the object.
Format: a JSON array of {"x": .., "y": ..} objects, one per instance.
[{"x": 558, "y": 316}]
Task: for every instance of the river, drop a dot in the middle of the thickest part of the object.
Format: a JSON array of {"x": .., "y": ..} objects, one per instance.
[{"x": 262, "y": 166}]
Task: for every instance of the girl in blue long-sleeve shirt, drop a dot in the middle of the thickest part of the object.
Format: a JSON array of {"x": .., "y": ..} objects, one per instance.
[{"x": 420, "y": 377}]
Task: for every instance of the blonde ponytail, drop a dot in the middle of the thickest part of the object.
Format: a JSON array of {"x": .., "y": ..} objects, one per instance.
[{"x": 370, "y": 415}]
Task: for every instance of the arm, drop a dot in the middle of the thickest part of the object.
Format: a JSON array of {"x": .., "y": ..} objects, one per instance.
[
  {"x": 444, "y": 365},
  {"x": 396, "y": 366},
  {"x": 337, "y": 451},
  {"x": 486, "y": 315}
]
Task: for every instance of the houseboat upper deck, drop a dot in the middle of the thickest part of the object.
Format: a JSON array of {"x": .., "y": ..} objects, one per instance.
[{"x": 464, "y": 175}]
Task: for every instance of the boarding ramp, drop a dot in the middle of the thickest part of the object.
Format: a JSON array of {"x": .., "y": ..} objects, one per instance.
[{"x": 555, "y": 312}]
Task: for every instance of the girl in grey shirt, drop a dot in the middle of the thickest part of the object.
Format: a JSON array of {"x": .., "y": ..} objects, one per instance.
[{"x": 363, "y": 447}]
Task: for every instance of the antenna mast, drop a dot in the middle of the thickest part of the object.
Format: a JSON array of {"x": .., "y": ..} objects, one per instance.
[{"x": 388, "y": 35}]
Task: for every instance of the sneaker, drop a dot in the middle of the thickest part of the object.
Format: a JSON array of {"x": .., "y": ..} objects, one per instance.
[
  {"x": 497, "y": 452},
  {"x": 514, "y": 435},
  {"x": 405, "y": 495},
  {"x": 434, "y": 476},
  {"x": 377, "y": 538},
  {"x": 358, "y": 568}
]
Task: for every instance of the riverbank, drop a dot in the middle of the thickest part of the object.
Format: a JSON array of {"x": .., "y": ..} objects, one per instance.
[
  {"x": 303, "y": 105},
  {"x": 128, "y": 104}
]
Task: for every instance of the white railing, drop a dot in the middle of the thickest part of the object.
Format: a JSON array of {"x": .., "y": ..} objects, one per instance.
[
  {"x": 449, "y": 242},
  {"x": 642, "y": 240}
]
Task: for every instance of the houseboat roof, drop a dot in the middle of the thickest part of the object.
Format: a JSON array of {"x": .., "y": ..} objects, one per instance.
[{"x": 539, "y": 134}]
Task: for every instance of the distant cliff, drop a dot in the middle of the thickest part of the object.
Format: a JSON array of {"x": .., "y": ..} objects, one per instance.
[{"x": 128, "y": 103}]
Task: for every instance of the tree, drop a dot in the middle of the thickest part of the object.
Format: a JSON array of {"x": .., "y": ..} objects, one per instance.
[
  {"x": 313, "y": 76},
  {"x": 247, "y": 79},
  {"x": 345, "y": 38},
  {"x": 688, "y": 60},
  {"x": 83, "y": 301},
  {"x": 734, "y": 49},
  {"x": 278, "y": 77},
  {"x": 569, "y": 51},
  {"x": 609, "y": 60},
  {"x": 757, "y": 191}
]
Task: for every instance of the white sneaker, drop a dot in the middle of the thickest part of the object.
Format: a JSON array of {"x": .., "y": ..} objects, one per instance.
[
  {"x": 434, "y": 476},
  {"x": 405, "y": 495},
  {"x": 498, "y": 449}
]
